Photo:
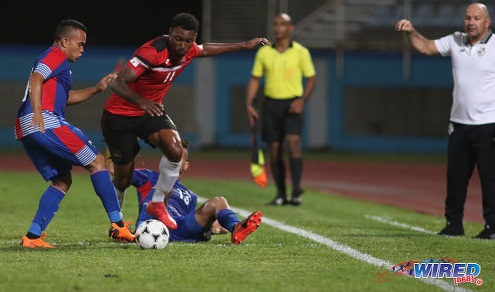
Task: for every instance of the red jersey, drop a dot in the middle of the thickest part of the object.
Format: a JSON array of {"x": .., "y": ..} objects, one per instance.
[{"x": 155, "y": 73}]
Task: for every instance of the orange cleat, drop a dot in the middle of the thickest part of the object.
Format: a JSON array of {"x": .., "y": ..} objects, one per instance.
[
  {"x": 246, "y": 227},
  {"x": 123, "y": 234},
  {"x": 35, "y": 243},
  {"x": 158, "y": 210}
]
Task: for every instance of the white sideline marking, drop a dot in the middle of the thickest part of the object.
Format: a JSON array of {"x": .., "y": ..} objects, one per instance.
[
  {"x": 342, "y": 248},
  {"x": 399, "y": 224}
]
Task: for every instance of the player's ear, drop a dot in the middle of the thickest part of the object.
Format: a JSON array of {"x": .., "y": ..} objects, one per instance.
[
  {"x": 186, "y": 165},
  {"x": 64, "y": 42}
]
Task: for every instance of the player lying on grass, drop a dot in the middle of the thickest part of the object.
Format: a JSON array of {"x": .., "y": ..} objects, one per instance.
[{"x": 194, "y": 224}]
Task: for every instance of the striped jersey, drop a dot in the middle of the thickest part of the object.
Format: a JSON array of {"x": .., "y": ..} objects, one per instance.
[
  {"x": 151, "y": 62},
  {"x": 54, "y": 67}
]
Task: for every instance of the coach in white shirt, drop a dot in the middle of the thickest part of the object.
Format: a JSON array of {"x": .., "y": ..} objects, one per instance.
[{"x": 472, "y": 117}]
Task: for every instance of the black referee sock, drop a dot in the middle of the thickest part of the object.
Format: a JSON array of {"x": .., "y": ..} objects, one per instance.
[
  {"x": 296, "y": 167},
  {"x": 278, "y": 172}
]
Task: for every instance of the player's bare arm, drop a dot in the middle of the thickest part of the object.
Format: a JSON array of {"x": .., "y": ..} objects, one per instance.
[
  {"x": 297, "y": 105},
  {"x": 35, "y": 87},
  {"x": 419, "y": 42},
  {"x": 121, "y": 87},
  {"x": 213, "y": 49},
  {"x": 252, "y": 89},
  {"x": 78, "y": 96}
]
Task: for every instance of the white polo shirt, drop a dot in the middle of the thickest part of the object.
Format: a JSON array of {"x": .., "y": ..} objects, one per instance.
[{"x": 473, "y": 69}]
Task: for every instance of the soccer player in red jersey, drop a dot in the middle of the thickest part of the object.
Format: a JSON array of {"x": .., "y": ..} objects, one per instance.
[{"x": 135, "y": 107}]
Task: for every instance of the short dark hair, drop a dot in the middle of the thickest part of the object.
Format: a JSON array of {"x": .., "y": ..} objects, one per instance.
[
  {"x": 185, "y": 143},
  {"x": 185, "y": 21},
  {"x": 65, "y": 26}
]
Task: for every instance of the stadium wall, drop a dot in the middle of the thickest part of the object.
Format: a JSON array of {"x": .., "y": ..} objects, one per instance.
[{"x": 363, "y": 102}]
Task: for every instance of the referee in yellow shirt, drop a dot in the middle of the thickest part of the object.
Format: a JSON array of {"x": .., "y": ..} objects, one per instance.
[{"x": 284, "y": 64}]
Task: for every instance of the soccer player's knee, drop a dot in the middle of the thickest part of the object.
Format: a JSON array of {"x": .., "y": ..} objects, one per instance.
[
  {"x": 209, "y": 209},
  {"x": 220, "y": 200},
  {"x": 174, "y": 152},
  {"x": 219, "y": 203},
  {"x": 121, "y": 183},
  {"x": 63, "y": 182}
]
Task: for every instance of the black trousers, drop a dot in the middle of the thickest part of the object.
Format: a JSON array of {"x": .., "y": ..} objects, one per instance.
[{"x": 470, "y": 145}]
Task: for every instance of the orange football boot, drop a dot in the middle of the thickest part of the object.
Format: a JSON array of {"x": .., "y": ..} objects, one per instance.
[
  {"x": 246, "y": 227},
  {"x": 158, "y": 210},
  {"x": 123, "y": 234},
  {"x": 35, "y": 243}
]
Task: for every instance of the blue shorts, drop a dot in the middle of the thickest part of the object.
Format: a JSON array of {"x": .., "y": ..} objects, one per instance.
[
  {"x": 54, "y": 152},
  {"x": 188, "y": 229}
]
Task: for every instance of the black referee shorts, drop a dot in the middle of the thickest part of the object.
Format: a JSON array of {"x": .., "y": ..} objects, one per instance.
[
  {"x": 121, "y": 133},
  {"x": 278, "y": 122}
]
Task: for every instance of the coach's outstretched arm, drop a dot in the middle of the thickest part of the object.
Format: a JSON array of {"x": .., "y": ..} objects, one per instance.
[
  {"x": 213, "y": 49},
  {"x": 419, "y": 42}
]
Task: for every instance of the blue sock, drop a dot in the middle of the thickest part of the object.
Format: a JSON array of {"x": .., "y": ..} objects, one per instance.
[
  {"x": 102, "y": 183},
  {"x": 47, "y": 208},
  {"x": 227, "y": 219}
]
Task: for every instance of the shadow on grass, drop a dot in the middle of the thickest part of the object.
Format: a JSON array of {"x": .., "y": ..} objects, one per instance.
[{"x": 87, "y": 245}]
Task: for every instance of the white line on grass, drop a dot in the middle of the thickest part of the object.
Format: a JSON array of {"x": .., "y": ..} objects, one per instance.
[
  {"x": 342, "y": 248},
  {"x": 399, "y": 224}
]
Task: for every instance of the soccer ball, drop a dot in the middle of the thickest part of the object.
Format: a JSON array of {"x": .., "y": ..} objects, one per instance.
[{"x": 152, "y": 234}]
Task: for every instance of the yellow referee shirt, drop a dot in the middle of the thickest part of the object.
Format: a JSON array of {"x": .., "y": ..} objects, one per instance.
[{"x": 283, "y": 71}]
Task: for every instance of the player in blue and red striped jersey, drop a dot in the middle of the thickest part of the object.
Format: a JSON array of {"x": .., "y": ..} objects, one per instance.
[
  {"x": 194, "y": 224},
  {"x": 53, "y": 144},
  {"x": 135, "y": 108}
]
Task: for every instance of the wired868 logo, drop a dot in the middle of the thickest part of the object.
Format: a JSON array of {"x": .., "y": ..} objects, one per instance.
[
  {"x": 458, "y": 272},
  {"x": 437, "y": 269}
]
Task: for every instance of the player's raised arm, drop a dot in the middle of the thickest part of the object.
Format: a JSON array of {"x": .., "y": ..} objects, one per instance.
[
  {"x": 419, "y": 42},
  {"x": 121, "y": 87},
  {"x": 213, "y": 49}
]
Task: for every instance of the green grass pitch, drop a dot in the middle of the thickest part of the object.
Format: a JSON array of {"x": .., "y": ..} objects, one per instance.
[{"x": 269, "y": 260}]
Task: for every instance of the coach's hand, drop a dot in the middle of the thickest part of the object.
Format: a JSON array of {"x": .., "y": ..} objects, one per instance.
[
  {"x": 404, "y": 25},
  {"x": 155, "y": 109},
  {"x": 252, "y": 114}
]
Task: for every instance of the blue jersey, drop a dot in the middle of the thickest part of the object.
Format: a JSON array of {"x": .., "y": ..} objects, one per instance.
[
  {"x": 61, "y": 145},
  {"x": 53, "y": 65},
  {"x": 180, "y": 203},
  {"x": 181, "y": 206}
]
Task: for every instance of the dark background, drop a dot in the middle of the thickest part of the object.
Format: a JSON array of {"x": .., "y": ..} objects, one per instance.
[{"x": 110, "y": 23}]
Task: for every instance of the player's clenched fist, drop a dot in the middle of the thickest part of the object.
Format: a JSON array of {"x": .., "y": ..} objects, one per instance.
[
  {"x": 404, "y": 25},
  {"x": 257, "y": 42}
]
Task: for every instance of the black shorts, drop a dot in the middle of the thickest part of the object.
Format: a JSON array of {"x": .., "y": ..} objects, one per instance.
[
  {"x": 121, "y": 133},
  {"x": 278, "y": 122}
]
